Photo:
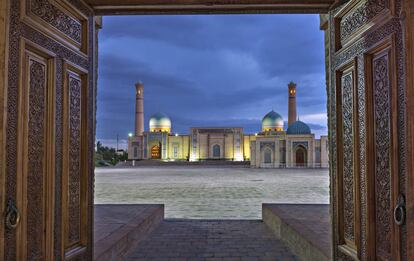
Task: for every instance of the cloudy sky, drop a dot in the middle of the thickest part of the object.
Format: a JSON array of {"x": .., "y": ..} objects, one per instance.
[{"x": 217, "y": 70}]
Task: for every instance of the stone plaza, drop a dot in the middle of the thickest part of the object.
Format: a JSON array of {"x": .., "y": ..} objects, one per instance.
[{"x": 199, "y": 192}]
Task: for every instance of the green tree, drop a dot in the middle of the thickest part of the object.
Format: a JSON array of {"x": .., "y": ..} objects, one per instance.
[{"x": 105, "y": 155}]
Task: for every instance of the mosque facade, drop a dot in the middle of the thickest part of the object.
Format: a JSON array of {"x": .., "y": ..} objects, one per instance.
[{"x": 274, "y": 146}]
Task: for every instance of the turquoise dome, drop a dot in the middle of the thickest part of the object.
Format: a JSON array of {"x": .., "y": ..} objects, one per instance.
[
  {"x": 160, "y": 121},
  {"x": 298, "y": 127},
  {"x": 272, "y": 121}
]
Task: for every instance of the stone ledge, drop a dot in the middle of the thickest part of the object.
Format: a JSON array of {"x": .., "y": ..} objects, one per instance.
[
  {"x": 304, "y": 228},
  {"x": 119, "y": 228}
]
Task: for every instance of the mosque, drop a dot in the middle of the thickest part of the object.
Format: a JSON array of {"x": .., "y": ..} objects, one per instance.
[{"x": 272, "y": 147}]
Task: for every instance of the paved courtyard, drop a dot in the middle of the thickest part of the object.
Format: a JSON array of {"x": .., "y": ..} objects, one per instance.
[{"x": 210, "y": 192}]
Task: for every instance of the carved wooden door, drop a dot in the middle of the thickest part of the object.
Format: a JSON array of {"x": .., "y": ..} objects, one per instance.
[
  {"x": 49, "y": 131},
  {"x": 367, "y": 122}
]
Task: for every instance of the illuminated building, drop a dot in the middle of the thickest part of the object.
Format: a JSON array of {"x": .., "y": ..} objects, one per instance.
[{"x": 273, "y": 147}]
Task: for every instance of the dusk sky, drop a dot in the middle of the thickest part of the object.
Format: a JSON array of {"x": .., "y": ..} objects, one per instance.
[{"x": 217, "y": 70}]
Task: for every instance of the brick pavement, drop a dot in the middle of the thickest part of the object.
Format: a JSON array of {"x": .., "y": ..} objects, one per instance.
[{"x": 211, "y": 240}]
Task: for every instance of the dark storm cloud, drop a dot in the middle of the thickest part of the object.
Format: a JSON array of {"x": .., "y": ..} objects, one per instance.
[{"x": 223, "y": 70}]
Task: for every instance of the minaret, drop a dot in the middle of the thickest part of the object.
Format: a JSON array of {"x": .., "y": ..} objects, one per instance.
[
  {"x": 139, "y": 109},
  {"x": 292, "y": 103}
]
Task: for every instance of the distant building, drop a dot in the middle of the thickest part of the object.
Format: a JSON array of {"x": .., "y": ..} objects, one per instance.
[
  {"x": 272, "y": 147},
  {"x": 120, "y": 152}
]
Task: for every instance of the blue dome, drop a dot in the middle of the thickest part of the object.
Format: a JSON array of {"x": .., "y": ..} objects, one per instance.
[
  {"x": 272, "y": 121},
  {"x": 298, "y": 127}
]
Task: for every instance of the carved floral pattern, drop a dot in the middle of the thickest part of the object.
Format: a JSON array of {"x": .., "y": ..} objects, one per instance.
[
  {"x": 56, "y": 18},
  {"x": 382, "y": 156},
  {"x": 348, "y": 156},
  {"x": 18, "y": 30},
  {"x": 74, "y": 159},
  {"x": 361, "y": 16},
  {"x": 35, "y": 168},
  {"x": 362, "y": 148},
  {"x": 339, "y": 58}
]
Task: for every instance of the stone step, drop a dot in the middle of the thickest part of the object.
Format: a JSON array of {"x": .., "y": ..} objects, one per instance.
[
  {"x": 304, "y": 228},
  {"x": 211, "y": 240},
  {"x": 120, "y": 228}
]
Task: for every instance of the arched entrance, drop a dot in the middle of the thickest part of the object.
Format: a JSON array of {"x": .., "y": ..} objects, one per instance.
[
  {"x": 216, "y": 151},
  {"x": 267, "y": 156},
  {"x": 156, "y": 152},
  {"x": 300, "y": 157}
]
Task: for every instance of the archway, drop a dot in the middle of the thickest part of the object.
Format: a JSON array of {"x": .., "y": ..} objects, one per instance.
[
  {"x": 216, "y": 151},
  {"x": 156, "y": 152},
  {"x": 267, "y": 156},
  {"x": 300, "y": 157}
]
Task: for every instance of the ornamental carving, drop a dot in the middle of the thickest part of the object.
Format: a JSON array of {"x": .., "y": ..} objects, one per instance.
[
  {"x": 362, "y": 148},
  {"x": 18, "y": 29},
  {"x": 35, "y": 167},
  {"x": 74, "y": 159},
  {"x": 382, "y": 156},
  {"x": 358, "y": 18},
  {"x": 270, "y": 144},
  {"x": 357, "y": 49},
  {"x": 58, "y": 152},
  {"x": 56, "y": 18},
  {"x": 348, "y": 155},
  {"x": 300, "y": 143}
]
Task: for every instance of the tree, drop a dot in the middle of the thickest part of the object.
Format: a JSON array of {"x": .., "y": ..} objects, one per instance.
[{"x": 105, "y": 155}]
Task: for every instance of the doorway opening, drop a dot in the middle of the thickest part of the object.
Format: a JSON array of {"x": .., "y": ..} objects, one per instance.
[
  {"x": 244, "y": 109},
  {"x": 156, "y": 152},
  {"x": 300, "y": 156}
]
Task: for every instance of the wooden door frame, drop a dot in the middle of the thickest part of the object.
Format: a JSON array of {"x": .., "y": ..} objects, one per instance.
[
  {"x": 4, "y": 14},
  {"x": 409, "y": 44},
  {"x": 124, "y": 7}
]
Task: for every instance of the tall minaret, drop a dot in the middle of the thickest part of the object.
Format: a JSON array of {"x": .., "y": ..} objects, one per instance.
[
  {"x": 139, "y": 109},
  {"x": 292, "y": 103}
]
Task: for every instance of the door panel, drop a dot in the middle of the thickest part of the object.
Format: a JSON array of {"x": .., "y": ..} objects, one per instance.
[
  {"x": 75, "y": 172},
  {"x": 382, "y": 169},
  {"x": 367, "y": 121},
  {"x": 35, "y": 170},
  {"x": 50, "y": 130},
  {"x": 347, "y": 161}
]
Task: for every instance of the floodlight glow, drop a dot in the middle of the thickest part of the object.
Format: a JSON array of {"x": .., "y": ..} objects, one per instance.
[
  {"x": 130, "y": 134},
  {"x": 239, "y": 157}
]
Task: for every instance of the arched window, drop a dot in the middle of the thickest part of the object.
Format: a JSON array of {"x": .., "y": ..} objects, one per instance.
[
  {"x": 267, "y": 155},
  {"x": 135, "y": 152},
  {"x": 216, "y": 151}
]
